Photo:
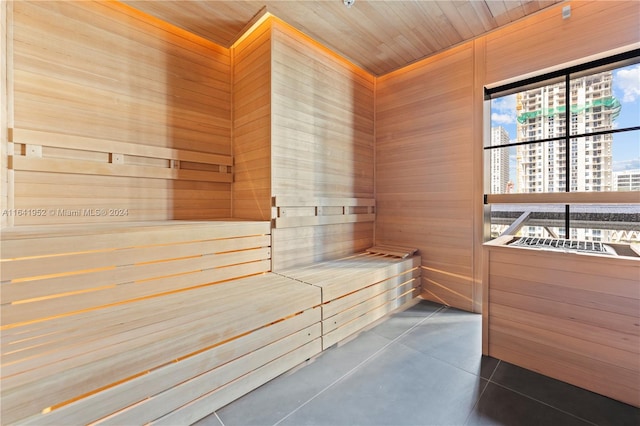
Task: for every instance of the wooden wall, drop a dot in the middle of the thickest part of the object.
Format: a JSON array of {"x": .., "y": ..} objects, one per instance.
[
  {"x": 429, "y": 135},
  {"x": 115, "y": 112},
  {"x": 322, "y": 143},
  {"x": 4, "y": 111},
  {"x": 141, "y": 112},
  {"x": 425, "y": 169},
  {"x": 545, "y": 40},
  {"x": 252, "y": 124}
]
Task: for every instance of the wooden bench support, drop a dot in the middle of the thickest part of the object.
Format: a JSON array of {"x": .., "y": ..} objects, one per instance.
[{"x": 358, "y": 290}]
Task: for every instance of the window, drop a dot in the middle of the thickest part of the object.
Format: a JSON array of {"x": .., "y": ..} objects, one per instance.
[{"x": 581, "y": 169}]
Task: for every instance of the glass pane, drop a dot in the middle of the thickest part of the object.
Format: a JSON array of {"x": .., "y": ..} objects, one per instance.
[
  {"x": 541, "y": 221},
  {"x": 541, "y": 113},
  {"x": 503, "y": 120},
  {"x": 532, "y": 114},
  {"x": 605, "y": 223},
  {"x": 541, "y": 167},
  {"x": 605, "y": 100},
  {"x": 609, "y": 162},
  {"x": 503, "y": 170},
  {"x": 532, "y": 168}
]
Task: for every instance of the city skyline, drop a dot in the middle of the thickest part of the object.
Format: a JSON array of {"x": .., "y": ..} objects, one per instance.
[
  {"x": 625, "y": 146},
  {"x": 601, "y": 101}
]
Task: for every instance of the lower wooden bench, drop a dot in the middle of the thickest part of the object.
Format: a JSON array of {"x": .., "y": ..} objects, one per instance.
[
  {"x": 360, "y": 289},
  {"x": 126, "y": 341}
]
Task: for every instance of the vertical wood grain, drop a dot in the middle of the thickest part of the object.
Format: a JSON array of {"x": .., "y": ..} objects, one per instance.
[
  {"x": 322, "y": 143},
  {"x": 478, "y": 172},
  {"x": 252, "y": 124},
  {"x": 6, "y": 108}
]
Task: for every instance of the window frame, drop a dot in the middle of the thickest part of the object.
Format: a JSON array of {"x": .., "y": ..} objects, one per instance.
[{"x": 566, "y": 197}]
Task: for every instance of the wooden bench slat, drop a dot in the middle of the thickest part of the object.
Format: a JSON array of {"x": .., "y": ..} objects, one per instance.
[
  {"x": 340, "y": 319},
  {"x": 110, "y": 146},
  {"x": 135, "y": 322},
  {"x": 340, "y": 304},
  {"x": 29, "y": 267},
  {"x": 333, "y": 337},
  {"x": 44, "y": 388},
  {"x": 199, "y": 408},
  {"x": 117, "y": 275},
  {"x": 100, "y": 405},
  {"x": 354, "y": 273},
  {"x": 79, "y": 333},
  {"x": 183, "y": 393},
  {"x": 127, "y": 292},
  {"x": 52, "y": 240}
]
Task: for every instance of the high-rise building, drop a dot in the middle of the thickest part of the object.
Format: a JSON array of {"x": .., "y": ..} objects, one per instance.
[
  {"x": 542, "y": 114},
  {"x": 499, "y": 161},
  {"x": 627, "y": 180}
]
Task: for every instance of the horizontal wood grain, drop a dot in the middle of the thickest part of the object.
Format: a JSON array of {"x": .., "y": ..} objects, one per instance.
[
  {"x": 107, "y": 92},
  {"x": 114, "y": 399},
  {"x": 202, "y": 406},
  {"x": 358, "y": 289},
  {"x": 570, "y": 316},
  {"x": 425, "y": 170},
  {"x": 628, "y": 197},
  {"x": 112, "y": 323}
]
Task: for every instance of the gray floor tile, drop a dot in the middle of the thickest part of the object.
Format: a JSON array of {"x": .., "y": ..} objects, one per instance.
[
  {"x": 421, "y": 367},
  {"x": 452, "y": 336},
  {"x": 500, "y": 406},
  {"x": 211, "y": 420},
  {"x": 577, "y": 401},
  {"x": 488, "y": 366},
  {"x": 398, "y": 387},
  {"x": 400, "y": 322},
  {"x": 272, "y": 401}
]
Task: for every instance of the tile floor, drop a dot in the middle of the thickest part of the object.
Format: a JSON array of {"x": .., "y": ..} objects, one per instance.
[{"x": 422, "y": 366}]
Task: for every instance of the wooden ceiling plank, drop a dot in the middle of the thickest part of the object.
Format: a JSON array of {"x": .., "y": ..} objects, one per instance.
[
  {"x": 482, "y": 9},
  {"x": 461, "y": 23},
  {"x": 378, "y": 36},
  {"x": 418, "y": 29},
  {"x": 515, "y": 10},
  {"x": 498, "y": 9}
]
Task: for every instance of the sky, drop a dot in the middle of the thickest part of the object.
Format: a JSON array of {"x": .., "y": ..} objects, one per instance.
[{"x": 625, "y": 147}]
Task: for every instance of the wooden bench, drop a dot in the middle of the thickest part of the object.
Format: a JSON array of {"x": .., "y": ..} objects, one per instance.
[
  {"x": 157, "y": 323},
  {"x": 360, "y": 289}
]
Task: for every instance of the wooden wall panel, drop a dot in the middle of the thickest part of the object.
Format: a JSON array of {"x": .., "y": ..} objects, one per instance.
[
  {"x": 570, "y": 316},
  {"x": 6, "y": 59},
  {"x": 429, "y": 135},
  {"x": 545, "y": 40},
  {"x": 322, "y": 143},
  {"x": 252, "y": 124},
  {"x": 110, "y": 74},
  {"x": 424, "y": 170}
]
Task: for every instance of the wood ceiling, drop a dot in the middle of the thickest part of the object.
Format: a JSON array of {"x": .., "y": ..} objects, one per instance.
[{"x": 379, "y": 36}]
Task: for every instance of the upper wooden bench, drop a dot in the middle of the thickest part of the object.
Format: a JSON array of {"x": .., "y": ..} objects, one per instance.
[
  {"x": 145, "y": 323},
  {"x": 360, "y": 289}
]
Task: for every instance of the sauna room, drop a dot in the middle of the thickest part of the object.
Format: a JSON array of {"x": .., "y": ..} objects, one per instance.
[{"x": 199, "y": 196}]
